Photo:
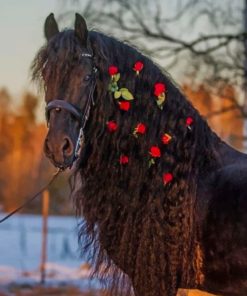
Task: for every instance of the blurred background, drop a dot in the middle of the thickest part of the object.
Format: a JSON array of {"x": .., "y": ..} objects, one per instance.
[{"x": 202, "y": 44}]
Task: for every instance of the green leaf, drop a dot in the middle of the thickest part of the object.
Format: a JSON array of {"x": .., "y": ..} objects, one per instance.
[
  {"x": 127, "y": 95},
  {"x": 116, "y": 77},
  {"x": 117, "y": 94},
  {"x": 114, "y": 88},
  {"x": 151, "y": 162},
  {"x": 124, "y": 89},
  {"x": 160, "y": 103}
]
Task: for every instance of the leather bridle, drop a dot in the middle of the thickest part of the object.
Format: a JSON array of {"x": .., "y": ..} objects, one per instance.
[{"x": 81, "y": 117}]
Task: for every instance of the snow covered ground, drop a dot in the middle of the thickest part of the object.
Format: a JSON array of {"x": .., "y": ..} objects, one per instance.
[{"x": 20, "y": 251}]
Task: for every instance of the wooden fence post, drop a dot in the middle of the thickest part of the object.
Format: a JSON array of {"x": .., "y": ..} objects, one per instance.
[{"x": 45, "y": 209}]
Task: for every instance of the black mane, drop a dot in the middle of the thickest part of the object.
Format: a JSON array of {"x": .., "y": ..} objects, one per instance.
[
  {"x": 134, "y": 224},
  {"x": 131, "y": 218}
]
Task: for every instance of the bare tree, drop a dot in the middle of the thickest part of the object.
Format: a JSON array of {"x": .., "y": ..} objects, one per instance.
[
  {"x": 196, "y": 40},
  {"x": 166, "y": 30}
]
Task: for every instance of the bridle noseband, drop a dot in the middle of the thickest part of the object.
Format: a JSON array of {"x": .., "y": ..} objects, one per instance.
[{"x": 82, "y": 118}]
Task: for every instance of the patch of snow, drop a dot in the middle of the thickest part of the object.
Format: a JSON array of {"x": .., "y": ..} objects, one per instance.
[{"x": 20, "y": 251}]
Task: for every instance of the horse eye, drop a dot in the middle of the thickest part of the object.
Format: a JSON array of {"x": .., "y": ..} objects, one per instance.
[{"x": 87, "y": 78}]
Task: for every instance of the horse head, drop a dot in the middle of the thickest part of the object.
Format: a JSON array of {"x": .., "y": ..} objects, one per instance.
[{"x": 68, "y": 74}]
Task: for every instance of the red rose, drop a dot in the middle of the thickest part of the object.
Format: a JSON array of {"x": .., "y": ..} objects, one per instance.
[
  {"x": 138, "y": 66},
  {"x": 166, "y": 138},
  {"x": 159, "y": 88},
  {"x": 167, "y": 178},
  {"x": 112, "y": 126},
  {"x": 113, "y": 70},
  {"x": 155, "y": 151},
  {"x": 189, "y": 121},
  {"x": 124, "y": 106},
  {"x": 124, "y": 159},
  {"x": 140, "y": 128}
]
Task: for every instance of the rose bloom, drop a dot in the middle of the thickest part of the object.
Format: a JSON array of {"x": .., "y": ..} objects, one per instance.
[
  {"x": 166, "y": 138},
  {"x": 124, "y": 159},
  {"x": 155, "y": 151},
  {"x": 125, "y": 106},
  {"x": 159, "y": 88},
  {"x": 140, "y": 128},
  {"x": 138, "y": 66},
  {"x": 112, "y": 126},
  {"x": 113, "y": 70},
  {"x": 189, "y": 121},
  {"x": 167, "y": 178}
]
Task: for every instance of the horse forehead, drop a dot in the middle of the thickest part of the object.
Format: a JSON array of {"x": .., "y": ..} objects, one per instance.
[{"x": 72, "y": 62}]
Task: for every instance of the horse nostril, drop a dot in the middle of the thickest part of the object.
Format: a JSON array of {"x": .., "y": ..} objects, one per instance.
[
  {"x": 67, "y": 147},
  {"x": 47, "y": 148}
]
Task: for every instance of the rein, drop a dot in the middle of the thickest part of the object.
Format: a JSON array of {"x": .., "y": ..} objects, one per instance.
[{"x": 32, "y": 198}]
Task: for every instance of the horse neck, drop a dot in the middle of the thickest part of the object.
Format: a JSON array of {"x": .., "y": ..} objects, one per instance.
[
  {"x": 229, "y": 155},
  {"x": 113, "y": 51}
]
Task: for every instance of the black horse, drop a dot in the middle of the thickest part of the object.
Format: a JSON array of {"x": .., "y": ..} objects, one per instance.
[{"x": 163, "y": 198}]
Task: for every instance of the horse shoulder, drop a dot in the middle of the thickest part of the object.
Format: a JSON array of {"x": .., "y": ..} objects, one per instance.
[{"x": 224, "y": 235}]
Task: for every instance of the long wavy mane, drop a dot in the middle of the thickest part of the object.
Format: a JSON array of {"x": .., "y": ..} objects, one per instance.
[{"x": 135, "y": 227}]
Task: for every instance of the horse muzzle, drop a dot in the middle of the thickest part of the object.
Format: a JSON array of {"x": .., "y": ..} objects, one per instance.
[{"x": 60, "y": 151}]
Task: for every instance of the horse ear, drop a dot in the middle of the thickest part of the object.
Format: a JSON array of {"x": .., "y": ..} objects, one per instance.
[
  {"x": 81, "y": 29},
  {"x": 51, "y": 27}
]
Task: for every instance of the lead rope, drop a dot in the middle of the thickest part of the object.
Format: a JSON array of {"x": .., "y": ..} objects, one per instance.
[{"x": 33, "y": 197}]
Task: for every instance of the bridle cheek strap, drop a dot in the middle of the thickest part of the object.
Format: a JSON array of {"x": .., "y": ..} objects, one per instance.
[{"x": 84, "y": 120}]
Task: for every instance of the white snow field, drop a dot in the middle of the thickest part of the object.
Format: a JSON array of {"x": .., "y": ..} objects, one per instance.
[{"x": 20, "y": 251}]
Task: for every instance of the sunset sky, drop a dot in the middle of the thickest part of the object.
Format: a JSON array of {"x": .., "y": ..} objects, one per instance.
[{"x": 21, "y": 31}]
